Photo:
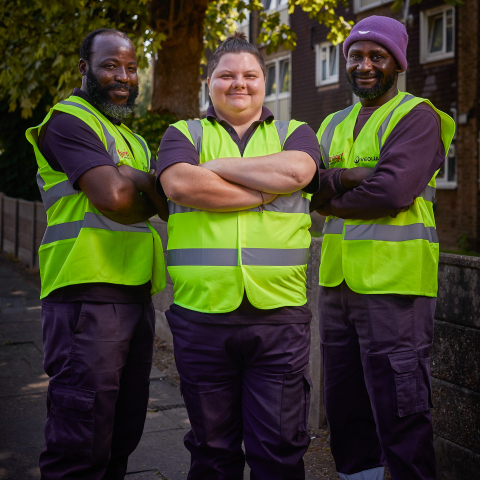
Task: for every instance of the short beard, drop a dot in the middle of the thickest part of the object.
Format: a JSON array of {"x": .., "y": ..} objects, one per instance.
[
  {"x": 383, "y": 85},
  {"x": 102, "y": 100}
]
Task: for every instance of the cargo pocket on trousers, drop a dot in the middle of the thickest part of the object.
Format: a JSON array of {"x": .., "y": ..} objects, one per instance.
[
  {"x": 295, "y": 405},
  {"x": 412, "y": 384},
  {"x": 71, "y": 418},
  {"x": 307, "y": 392}
]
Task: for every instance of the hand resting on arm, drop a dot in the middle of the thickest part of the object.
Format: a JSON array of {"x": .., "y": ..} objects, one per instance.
[
  {"x": 283, "y": 172},
  {"x": 197, "y": 187},
  {"x": 115, "y": 196}
]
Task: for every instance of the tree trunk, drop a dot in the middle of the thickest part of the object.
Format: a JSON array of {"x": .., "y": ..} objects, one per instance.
[{"x": 176, "y": 78}]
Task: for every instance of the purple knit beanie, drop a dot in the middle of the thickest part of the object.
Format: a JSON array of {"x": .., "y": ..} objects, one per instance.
[{"x": 385, "y": 31}]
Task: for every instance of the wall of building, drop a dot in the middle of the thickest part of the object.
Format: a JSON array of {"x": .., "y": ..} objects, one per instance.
[{"x": 310, "y": 103}]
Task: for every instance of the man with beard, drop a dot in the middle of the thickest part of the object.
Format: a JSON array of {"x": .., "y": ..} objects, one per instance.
[
  {"x": 379, "y": 262},
  {"x": 100, "y": 262}
]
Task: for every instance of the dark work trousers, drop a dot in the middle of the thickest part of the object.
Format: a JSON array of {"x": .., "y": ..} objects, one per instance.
[
  {"x": 244, "y": 382},
  {"x": 98, "y": 357},
  {"x": 376, "y": 361}
]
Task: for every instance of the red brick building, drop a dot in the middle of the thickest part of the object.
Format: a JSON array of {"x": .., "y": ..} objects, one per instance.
[{"x": 443, "y": 66}]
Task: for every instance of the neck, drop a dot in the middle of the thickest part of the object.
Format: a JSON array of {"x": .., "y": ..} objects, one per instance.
[
  {"x": 382, "y": 100},
  {"x": 239, "y": 121}
]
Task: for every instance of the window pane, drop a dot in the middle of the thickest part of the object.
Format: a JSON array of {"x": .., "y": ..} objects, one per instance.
[
  {"x": 333, "y": 61},
  {"x": 323, "y": 60},
  {"x": 364, "y": 3},
  {"x": 271, "y": 86},
  {"x": 451, "y": 160},
  {"x": 449, "y": 42},
  {"x": 266, "y": 4},
  {"x": 435, "y": 33},
  {"x": 285, "y": 76}
]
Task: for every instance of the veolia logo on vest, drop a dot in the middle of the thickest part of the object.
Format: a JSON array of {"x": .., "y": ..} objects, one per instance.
[{"x": 365, "y": 159}]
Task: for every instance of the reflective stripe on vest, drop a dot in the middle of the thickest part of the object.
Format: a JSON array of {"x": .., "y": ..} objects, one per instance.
[
  {"x": 334, "y": 226},
  {"x": 384, "y": 125},
  {"x": 228, "y": 257},
  {"x": 111, "y": 146},
  {"x": 56, "y": 192},
  {"x": 391, "y": 233},
  {"x": 327, "y": 135},
  {"x": 428, "y": 193},
  {"x": 295, "y": 203},
  {"x": 68, "y": 230}
]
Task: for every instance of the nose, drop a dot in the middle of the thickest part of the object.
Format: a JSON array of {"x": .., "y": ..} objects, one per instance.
[
  {"x": 238, "y": 82},
  {"x": 365, "y": 65},
  {"x": 121, "y": 75}
]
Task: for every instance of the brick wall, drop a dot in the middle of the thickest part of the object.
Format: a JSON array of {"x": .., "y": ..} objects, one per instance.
[{"x": 310, "y": 103}]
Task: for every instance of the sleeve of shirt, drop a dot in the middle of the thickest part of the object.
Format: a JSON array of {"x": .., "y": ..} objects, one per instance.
[
  {"x": 71, "y": 146},
  {"x": 303, "y": 139},
  {"x": 412, "y": 153},
  {"x": 175, "y": 147}
]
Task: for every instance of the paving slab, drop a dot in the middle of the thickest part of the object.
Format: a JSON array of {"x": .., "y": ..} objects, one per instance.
[{"x": 163, "y": 451}]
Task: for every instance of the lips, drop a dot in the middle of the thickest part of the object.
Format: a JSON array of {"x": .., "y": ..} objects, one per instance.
[{"x": 121, "y": 93}]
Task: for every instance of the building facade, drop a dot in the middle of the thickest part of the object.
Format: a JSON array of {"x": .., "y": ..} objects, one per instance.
[{"x": 443, "y": 61}]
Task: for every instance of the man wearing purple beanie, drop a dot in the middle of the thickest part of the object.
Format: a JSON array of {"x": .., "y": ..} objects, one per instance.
[{"x": 379, "y": 263}]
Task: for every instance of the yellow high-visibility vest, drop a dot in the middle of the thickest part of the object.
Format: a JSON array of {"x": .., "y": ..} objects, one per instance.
[
  {"x": 80, "y": 244},
  {"x": 386, "y": 255}
]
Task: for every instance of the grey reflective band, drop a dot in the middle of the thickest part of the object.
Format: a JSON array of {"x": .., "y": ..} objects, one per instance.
[
  {"x": 54, "y": 193},
  {"x": 384, "y": 125},
  {"x": 174, "y": 208},
  {"x": 215, "y": 257},
  {"x": 327, "y": 135},
  {"x": 282, "y": 130},
  {"x": 144, "y": 146},
  {"x": 196, "y": 132},
  {"x": 111, "y": 145},
  {"x": 428, "y": 194},
  {"x": 334, "y": 226},
  {"x": 295, "y": 203},
  {"x": 391, "y": 233},
  {"x": 228, "y": 257},
  {"x": 278, "y": 257},
  {"x": 68, "y": 230}
]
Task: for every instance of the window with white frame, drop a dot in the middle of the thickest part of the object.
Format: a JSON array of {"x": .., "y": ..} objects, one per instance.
[
  {"x": 437, "y": 34},
  {"x": 274, "y": 4},
  {"x": 447, "y": 176},
  {"x": 203, "y": 97},
  {"x": 361, "y": 5},
  {"x": 326, "y": 63},
  {"x": 277, "y": 88}
]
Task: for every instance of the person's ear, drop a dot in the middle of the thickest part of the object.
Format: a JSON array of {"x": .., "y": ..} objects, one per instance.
[{"x": 83, "y": 66}]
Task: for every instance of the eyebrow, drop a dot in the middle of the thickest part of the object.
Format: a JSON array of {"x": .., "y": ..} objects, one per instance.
[
  {"x": 232, "y": 71},
  {"x": 115, "y": 60}
]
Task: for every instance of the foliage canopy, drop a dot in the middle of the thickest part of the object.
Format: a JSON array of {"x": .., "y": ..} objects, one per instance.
[{"x": 40, "y": 40}]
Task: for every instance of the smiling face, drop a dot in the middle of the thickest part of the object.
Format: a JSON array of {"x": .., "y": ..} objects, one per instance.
[
  {"x": 372, "y": 72},
  {"x": 237, "y": 86},
  {"x": 110, "y": 76}
]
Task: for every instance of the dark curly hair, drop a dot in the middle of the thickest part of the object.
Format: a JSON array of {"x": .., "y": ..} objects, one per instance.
[
  {"x": 236, "y": 43},
  {"x": 87, "y": 42}
]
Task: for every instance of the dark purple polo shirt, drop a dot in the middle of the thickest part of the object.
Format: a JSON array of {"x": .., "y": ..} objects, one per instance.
[
  {"x": 176, "y": 148},
  {"x": 70, "y": 146},
  {"x": 411, "y": 155}
]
